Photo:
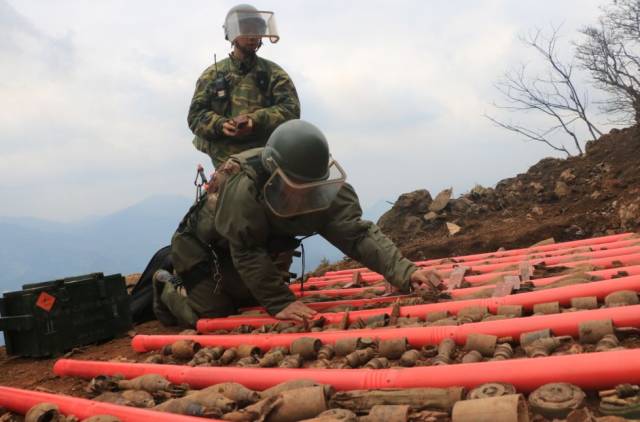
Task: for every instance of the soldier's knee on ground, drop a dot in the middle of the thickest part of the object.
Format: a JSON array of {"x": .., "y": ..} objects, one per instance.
[
  {"x": 160, "y": 310},
  {"x": 179, "y": 306}
]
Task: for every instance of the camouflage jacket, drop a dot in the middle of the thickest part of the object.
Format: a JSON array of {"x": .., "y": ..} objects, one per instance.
[
  {"x": 258, "y": 88},
  {"x": 237, "y": 219}
]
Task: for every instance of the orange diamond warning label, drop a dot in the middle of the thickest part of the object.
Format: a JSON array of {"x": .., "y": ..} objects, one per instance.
[{"x": 45, "y": 301}]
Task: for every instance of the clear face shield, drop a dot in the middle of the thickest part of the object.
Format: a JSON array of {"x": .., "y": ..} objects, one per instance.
[
  {"x": 288, "y": 198},
  {"x": 251, "y": 24}
]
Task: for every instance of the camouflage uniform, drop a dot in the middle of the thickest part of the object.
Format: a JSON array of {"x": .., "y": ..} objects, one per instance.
[
  {"x": 238, "y": 225},
  {"x": 256, "y": 87}
]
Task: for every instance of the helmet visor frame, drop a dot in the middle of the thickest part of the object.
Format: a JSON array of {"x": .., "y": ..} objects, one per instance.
[
  {"x": 245, "y": 23},
  {"x": 286, "y": 197}
]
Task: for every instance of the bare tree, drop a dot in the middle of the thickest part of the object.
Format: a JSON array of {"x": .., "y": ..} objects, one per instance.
[
  {"x": 553, "y": 95},
  {"x": 611, "y": 52}
]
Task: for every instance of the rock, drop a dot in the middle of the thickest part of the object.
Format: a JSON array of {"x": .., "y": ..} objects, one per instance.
[
  {"x": 453, "y": 228},
  {"x": 480, "y": 191},
  {"x": 537, "y": 211},
  {"x": 595, "y": 195},
  {"x": 537, "y": 187},
  {"x": 441, "y": 201},
  {"x": 420, "y": 200},
  {"x": 430, "y": 216},
  {"x": 412, "y": 224},
  {"x": 567, "y": 176},
  {"x": 461, "y": 205},
  {"x": 629, "y": 215},
  {"x": 561, "y": 190},
  {"x": 549, "y": 241}
]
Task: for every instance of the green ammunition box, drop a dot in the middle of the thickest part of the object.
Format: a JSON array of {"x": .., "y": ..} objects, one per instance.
[{"x": 49, "y": 318}]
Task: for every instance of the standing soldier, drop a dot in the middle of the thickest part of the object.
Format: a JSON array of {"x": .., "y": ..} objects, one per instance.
[{"x": 239, "y": 101}]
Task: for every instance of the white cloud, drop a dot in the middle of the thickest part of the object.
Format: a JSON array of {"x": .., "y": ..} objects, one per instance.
[{"x": 95, "y": 94}]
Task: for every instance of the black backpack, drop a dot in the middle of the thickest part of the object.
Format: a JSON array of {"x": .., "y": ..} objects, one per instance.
[{"x": 142, "y": 292}]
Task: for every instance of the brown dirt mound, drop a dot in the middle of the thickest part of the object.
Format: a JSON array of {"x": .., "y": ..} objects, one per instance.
[{"x": 579, "y": 197}]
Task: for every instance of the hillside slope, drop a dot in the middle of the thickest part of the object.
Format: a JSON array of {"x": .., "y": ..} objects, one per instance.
[{"x": 578, "y": 197}]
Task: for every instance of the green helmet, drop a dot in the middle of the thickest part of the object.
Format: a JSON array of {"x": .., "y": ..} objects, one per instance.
[
  {"x": 299, "y": 149},
  {"x": 304, "y": 178}
]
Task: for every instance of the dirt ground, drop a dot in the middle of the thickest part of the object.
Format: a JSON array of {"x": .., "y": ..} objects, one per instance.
[{"x": 580, "y": 197}]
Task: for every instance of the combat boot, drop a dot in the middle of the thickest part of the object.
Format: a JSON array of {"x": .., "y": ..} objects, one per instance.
[{"x": 160, "y": 310}]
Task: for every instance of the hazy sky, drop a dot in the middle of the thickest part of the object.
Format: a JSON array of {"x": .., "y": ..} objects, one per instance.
[{"x": 94, "y": 94}]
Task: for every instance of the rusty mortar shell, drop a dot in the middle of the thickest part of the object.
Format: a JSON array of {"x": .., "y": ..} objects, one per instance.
[
  {"x": 510, "y": 310},
  {"x": 359, "y": 357},
  {"x": 472, "y": 314},
  {"x": 393, "y": 348},
  {"x": 306, "y": 347},
  {"x": 358, "y": 324},
  {"x": 445, "y": 322},
  {"x": 556, "y": 400},
  {"x": 271, "y": 359},
  {"x": 283, "y": 349},
  {"x": 409, "y": 358},
  {"x": 584, "y": 303},
  {"x": 377, "y": 363},
  {"x": 247, "y": 361},
  {"x": 607, "y": 342},
  {"x": 344, "y": 346},
  {"x": 408, "y": 321},
  {"x": 43, "y": 412},
  {"x": 545, "y": 346},
  {"x": 531, "y": 336},
  {"x": 291, "y": 361},
  {"x": 376, "y": 321},
  {"x": 590, "y": 332},
  {"x": 445, "y": 349},
  {"x": 503, "y": 351},
  {"x": 228, "y": 356},
  {"x": 621, "y": 298},
  {"x": 435, "y": 316},
  {"x": 490, "y": 317},
  {"x": 364, "y": 342},
  {"x": 491, "y": 389},
  {"x": 546, "y": 308},
  {"x": 245, "y": 350},
  {"x": 429, "y": 350},
  {"x": 154, "y": 358},
  {"x": 508, "y": 408},
  {"x": 299, "y": 404},
  {"x": 388, "y": 412},
  {"x": 483, "y": 343},
  {"x": 326, "y": 352},
  {"x": 321, "y": 363},
  {"x": 184, "y": 349},
  {"x": 472, "y": 356}
]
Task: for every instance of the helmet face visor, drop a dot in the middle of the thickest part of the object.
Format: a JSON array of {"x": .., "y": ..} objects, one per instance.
[
  {"x": 251, "y": 24},
  {"x": 287, "y": 198}
]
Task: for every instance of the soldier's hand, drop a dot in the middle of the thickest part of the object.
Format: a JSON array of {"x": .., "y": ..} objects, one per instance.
[
  {"x": 296, "y": 311},
  {"x": 424, "y": 279},
  {"x": 229, "y": 128},
  {"x": 244, "y": 125}
]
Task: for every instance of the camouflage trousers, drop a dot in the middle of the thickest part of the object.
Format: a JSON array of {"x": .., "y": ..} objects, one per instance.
[{"x": 204, "y": 297}]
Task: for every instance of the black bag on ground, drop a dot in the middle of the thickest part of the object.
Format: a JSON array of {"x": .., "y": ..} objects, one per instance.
[{"x": 142, "y": 292}]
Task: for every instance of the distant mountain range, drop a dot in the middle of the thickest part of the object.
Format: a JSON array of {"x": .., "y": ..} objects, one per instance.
[{"x": 33, "y": 250}]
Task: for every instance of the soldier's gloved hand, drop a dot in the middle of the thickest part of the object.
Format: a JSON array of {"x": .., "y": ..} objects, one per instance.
[
  {"x": 296, "y": 311},
  {"x": 426, "y": 280}
]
